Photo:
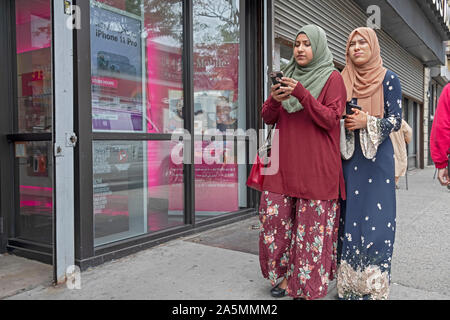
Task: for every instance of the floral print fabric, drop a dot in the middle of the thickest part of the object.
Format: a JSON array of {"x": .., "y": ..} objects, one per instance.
[
  {"x": 313, "y": 251},
  {"x": 276, "y": 214},
  {"x": 298, "y": 241}
]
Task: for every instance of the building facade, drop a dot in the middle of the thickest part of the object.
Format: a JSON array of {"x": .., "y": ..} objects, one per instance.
[
  {"x": 139, "y": 71},
  {"x": 411, "y": 35},
  {"x": 93, "y": 94}
]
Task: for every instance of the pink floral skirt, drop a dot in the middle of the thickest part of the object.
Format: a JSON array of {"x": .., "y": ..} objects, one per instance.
[{"x": 298, "y": 240}]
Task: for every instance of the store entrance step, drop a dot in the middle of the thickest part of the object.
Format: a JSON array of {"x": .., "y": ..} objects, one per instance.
[{"x": 241, "y": 236}]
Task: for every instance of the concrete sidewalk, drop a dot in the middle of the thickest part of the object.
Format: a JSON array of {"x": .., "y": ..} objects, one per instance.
[
  {"x": 223, "y": 263},
  {"x": 18, "y": 274}
]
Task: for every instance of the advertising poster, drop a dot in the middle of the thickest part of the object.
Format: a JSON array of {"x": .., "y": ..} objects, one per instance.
[
  {"x": 117, "y": 73},
  {"x": 216, "y": 80}
]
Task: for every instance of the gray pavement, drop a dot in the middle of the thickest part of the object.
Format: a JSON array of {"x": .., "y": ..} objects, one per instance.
[
  {"x": 422, "y": 249},
  {"x": 223, "y": 263},
  {"x": 18, "y": 274}
]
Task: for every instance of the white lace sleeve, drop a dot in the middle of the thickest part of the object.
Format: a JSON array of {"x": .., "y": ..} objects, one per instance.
[
  {"x": 371, "y": 138},
  {"x": 347, "y": 142}
]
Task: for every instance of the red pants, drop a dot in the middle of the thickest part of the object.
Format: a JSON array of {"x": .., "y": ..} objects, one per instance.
[{"x": 298, "y": 241}]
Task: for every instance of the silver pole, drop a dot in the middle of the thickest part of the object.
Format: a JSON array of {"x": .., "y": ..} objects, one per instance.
[{"x": 64, "y": 143}]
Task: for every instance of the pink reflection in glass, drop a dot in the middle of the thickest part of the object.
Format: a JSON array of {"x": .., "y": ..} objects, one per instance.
[
  {"x": 164, "y": 84},
  {"x": 36, "y": 188},
  {"x": 33, "y": 25},
  {"x": 39, "y": 198}
]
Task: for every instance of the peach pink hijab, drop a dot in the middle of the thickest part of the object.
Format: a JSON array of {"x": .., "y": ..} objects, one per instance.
[{"x": 366, "y": 82}]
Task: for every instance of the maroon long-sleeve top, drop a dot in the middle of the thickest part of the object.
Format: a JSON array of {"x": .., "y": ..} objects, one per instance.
[{"x": 309, "y": 143}]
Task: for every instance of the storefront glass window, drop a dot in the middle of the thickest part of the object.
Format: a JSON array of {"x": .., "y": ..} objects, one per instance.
[
  {"x": 136, "y": 58},
  {"x": 137, "y": 189},
  {"x": 137, "y": 87},
  {"x": 34, "y": 71},
  {"x": 286, "y": 52},
  {"x": 219, "y": 105},
  {"x": 34, "y": 162}
]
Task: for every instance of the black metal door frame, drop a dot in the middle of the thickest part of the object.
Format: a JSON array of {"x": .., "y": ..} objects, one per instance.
[
  {"x": 6, "y": 117},
  {"x": 85, "y": 253},
  {"x": 9, "y": 186}
]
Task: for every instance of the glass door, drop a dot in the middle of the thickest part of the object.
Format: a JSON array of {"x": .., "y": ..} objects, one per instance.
[
  {"x": 33, "y": 118},
  {"x": 219, "y": 107},
  {"x": 137, "y": 104}
]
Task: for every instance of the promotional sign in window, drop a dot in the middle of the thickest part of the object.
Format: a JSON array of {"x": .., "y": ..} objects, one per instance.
[
  {"x": 218, "y": 93},
  {"x": 137, "y": 86},
  {"x": 117, "y": 70}
]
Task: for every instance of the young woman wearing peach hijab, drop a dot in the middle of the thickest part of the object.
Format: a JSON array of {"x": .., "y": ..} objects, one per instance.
[{"x": 368, "y": 217}]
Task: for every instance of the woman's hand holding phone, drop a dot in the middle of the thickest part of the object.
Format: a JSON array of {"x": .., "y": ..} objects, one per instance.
[
  {"x": 289, "y": 85},
  {"x": 356, "y": 121},
  {"x": 283, "y": 90},
  {"x": 279, "y": 94}
]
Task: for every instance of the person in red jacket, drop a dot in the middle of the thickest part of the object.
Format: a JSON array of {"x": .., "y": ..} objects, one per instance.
[{"x": 440, "y": 137}]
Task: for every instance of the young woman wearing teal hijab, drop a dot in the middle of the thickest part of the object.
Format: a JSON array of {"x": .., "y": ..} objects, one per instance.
[{"x": 299, "y": 209}]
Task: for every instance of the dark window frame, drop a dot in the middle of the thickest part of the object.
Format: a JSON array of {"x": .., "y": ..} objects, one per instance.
[
  {"x": 6, "y": 119},
  {"x": 85, "y": 253},
  {"x": 10, "y": 208}
]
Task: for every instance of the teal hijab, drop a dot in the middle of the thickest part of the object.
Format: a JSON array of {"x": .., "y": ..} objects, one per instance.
[{"x": 316, "y": 74}]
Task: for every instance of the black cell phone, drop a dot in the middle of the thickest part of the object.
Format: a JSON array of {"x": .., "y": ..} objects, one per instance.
[
  {"x": 275, "y": 76},
  {"x": 349, "y": 107}
]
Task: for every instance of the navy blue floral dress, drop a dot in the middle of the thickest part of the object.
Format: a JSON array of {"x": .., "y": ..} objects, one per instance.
[{"x": 368, "y": 216}]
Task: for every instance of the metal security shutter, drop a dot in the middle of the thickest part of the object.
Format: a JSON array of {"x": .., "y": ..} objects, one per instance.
[{"x": 339, "y": 18}]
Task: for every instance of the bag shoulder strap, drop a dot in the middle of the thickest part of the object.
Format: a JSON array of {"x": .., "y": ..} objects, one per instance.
[{"x": 270, "y": 133}]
